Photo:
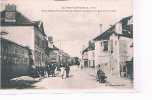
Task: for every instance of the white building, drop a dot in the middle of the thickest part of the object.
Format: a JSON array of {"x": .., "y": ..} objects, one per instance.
[
  {"x": 114, "y": 47},
  {"x": 91, "y": 58},
  {"x": 88, "y": 55},
  {"x": 84, "y": 61},
  {"x": 24, "y": 32}
]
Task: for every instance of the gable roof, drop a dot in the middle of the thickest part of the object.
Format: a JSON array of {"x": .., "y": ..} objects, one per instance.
[
  {"x": 21, "y": 20},
  {"x": 105, "y": 35},
  {"x": 85, "y": 50},
  {"x": 125, "y": 18}
]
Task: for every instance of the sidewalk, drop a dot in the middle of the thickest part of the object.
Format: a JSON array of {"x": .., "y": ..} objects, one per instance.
[
  {"x": 22, "y": 82},
  {"x": 114, "y": 81},
  {"x": 118, "y": 82}
]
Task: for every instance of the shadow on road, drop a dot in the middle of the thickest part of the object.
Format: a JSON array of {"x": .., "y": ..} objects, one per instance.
[{"x": 20, "y": 83}]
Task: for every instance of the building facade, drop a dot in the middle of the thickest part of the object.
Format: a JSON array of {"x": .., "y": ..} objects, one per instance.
[
  {"x": 84, "y": 61},
  {"x": 91, "y": 58},
  {"x": 88, "y": 55},
  {"x": 56, "y": 55},
  {"x": 24, "y": 32},
  {"x": 114, "y": 48},
  {"x": 15, "y": 60},
  {"x": 53, "y": 55}
]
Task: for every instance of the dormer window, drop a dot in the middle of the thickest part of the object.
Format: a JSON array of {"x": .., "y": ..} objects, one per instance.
[
  {"x": 10, "y": 13},
  {"x": 10, "y": 17}
]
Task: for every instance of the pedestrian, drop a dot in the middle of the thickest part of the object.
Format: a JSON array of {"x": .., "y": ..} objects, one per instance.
[
  {"x": 78, "y": 64},
  {"x": 81, "y": 65},
  {"x": 67, "y": 69},
  {"x": 38, "y": 72},
  {"x": 97, "y": 76},
  {"x": 51, "y": 69},
  {"x": 48, "y": 69},
  {"x": 62, "y": 72},
  {"x": 101, "y": 75}
]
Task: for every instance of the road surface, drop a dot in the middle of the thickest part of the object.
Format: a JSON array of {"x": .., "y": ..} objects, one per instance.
[{"x": 79, "y": 79}]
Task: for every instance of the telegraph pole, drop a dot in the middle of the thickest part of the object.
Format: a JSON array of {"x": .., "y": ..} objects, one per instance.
[{"x": 100, "y": 27}]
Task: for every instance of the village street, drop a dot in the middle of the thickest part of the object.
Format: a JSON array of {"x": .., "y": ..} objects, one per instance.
[
  {"x": 79, "y": 79},
  {"x": 26, "y": 62}
]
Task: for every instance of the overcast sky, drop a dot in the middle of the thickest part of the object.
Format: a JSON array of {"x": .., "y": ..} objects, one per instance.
[{"x": 73, "y": 29}]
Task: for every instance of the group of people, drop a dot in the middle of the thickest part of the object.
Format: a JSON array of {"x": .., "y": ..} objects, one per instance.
[
  {"x": 50, "y": 70},
  {"x": 63, "y": 70}
]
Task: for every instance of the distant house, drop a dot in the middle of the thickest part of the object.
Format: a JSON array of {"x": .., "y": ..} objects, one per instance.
[
  {"x": 113, "y": 48},
  {"x": 24, "y": 32},
  {"x": 64, "y": 58},
  {"x": 56, "y": 55},
  {"x": 88, "y": 55},
  {"x": 84, "y": 61},
  {"x": 53, "y": 55}
]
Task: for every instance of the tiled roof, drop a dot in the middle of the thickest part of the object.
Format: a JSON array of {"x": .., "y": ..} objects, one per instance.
[
  {"x": 85, "y": 50},
  {"x": 125, "y": 18},
  {"x": 110, "y": 31},
  {"x": 21, "y": 20},
  {"x": 105, "y": 35}
]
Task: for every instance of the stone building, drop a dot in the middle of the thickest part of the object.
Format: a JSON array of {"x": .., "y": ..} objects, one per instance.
[
  {"x": 14, "y": 61},
  {"x": 114, "y": 48},
  {"x": 88, "y": 55},
  {"x": 25, "y": 32}
]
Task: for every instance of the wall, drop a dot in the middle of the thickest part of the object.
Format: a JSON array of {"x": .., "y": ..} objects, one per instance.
[
  {"x": 91, "y": 58},
  {"x": 125, "y": 52},
  {"x": 84, "y": 61},
  {"x": 15, "y": 60},
  {"x": 102, "y": 57},
  {"x": 39, "y": 48},
  {"x": 53, "y": 56},
  {"x": 23, "y": 35},
  {"x": 114, "y": 55},
  {"x": 118, "y": 28},
  {"x": 125, "y": 49}
]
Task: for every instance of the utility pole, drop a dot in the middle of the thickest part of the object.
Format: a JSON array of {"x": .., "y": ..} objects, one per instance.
[{"x": 100, "y": 27}]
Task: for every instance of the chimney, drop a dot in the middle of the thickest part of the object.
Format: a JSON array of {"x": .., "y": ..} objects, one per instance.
[
  {"x": 100, "y": 26},
  {"x": 50, "y": 39},
  {"x": 10, "y": 13}
]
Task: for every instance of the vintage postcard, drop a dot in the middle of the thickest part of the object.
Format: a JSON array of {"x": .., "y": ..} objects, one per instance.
[{"x": 66, "y": 44}]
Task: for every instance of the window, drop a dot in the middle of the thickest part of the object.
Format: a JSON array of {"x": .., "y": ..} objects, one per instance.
[
  {"x": 131, "y": 45},
  {"x": 10, "y": 16},
  {"x": 105, "y": 44}
]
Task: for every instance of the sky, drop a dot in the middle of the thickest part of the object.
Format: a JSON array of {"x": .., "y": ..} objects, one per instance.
[{"x": 72, "y": 30}]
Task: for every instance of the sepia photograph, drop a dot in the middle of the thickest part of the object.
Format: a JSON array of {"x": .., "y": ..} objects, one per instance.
[{"x": 66, "y": 45}]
